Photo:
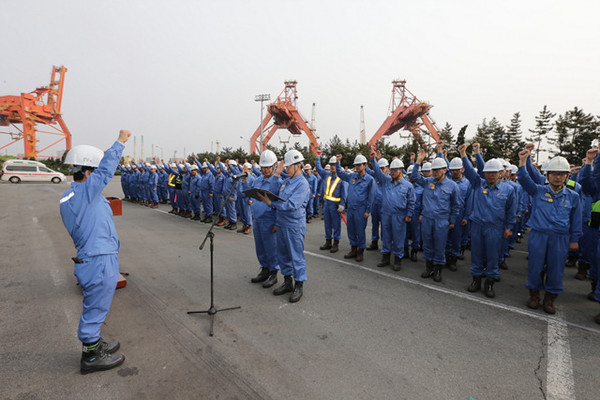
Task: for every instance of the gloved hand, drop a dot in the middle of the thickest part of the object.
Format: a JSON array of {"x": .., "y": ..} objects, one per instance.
[{"x": 340, "y": 208}]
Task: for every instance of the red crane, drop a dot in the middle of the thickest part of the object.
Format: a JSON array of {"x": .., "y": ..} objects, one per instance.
[
  {"x": 408, "y": 113},
  {"x": 285, "y": 115},
  {"x": 40, "y": 107}
]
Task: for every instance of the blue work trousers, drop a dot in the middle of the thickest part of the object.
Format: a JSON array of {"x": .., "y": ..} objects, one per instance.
[
  {"x": 231, "y": 211},
  {"x": 455, "y": 237},
  {"x": 265, "y": 242},
  {"x": 547, "y": 253},
  {"x": 245, "y": 212},
  {"x": 375, "y": 221},
  {"x": 357, "y": 223},
  {"x": 393, "y": 234},
  {"x": 435, "y": 234},
  {"x": 172, "y": 196},
  {"x": 333, "y": 221},
  {"x": 414, "y": 231},
  {"x": 195, "y": 202},
  {"x": 310, "y": 206},
  {"x": 290, "y": 250},
  {"x": 486, "y": 245},
  {"x": 207, "y": 203},
  {"x": 98, "y": 278}
]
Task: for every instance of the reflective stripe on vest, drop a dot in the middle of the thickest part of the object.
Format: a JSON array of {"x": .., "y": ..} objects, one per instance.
[
  {"x": 330, "y": 188},
  {"x": 171, "y": 178}
]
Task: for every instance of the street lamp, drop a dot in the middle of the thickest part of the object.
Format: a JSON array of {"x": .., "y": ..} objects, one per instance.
[{"x": 262, "y": 98}]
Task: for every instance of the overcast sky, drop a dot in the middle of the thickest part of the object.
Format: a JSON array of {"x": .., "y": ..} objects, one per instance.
[{"x": 184, "y": 73}]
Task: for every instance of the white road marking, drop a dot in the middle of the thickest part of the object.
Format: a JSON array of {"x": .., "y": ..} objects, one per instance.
[{"x": 560, "y": 384}]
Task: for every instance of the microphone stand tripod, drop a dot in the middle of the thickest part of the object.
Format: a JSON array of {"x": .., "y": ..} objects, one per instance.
[{"x": 212, "y": 311}]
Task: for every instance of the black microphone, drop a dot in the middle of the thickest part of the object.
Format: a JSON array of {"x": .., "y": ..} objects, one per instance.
[{"x": 238, "y": 176}]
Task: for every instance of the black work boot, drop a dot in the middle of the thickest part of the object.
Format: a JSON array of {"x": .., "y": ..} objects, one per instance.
[
  {"x": 549, "y": 303},
  {"x": 262, "y": 276},
  {"x": 582, "y": 270},
  {"x": 196, "y": 217},
  {"x": 437, "y": 273},
  {"x": 591, "y": 295},
  {"x": 173, "y": 210},
  {"x": 534, "y": 299},
  {"x": 406, "y": 252},
  {"x": 397, "y": 263},
  {"x": 327, "y": 245},
  {"x": 451, "y": 263},
  {"x": 428, "y": 273},
  {"x": 385, "y": 260},
  {"x": 335, "y": 247},
  {"x": 297, "y": 293},
  {"x": 352, "y": 253},
  {"x": 503, "y": 265},
  {"x": 271, "y": 280},
  {"x": 373, "y": 246},
  {"x": 571, "y": 261},
  {"x": 462, "y": 253},
  {"x": 286, "y": 287},
  {"x": 98, "y": 359},
  {"x": 109, "y": 347},
  {"x": 360, "y": 254},
  {"x": 413, "y": 255},
  {"x": 475, "y": 286},
  {"x": 488, "y": 288}
]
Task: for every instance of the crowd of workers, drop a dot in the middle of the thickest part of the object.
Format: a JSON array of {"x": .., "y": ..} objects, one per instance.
[{"x": 439, "y": 208}]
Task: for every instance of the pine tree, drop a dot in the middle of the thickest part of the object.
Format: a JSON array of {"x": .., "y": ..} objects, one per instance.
[
  {"x": 514, "y": 142},
  {"x": 446, "y": 136},
  {"x": 483, "y": 137},
  {"x": 543, "y": 126},
  {"x": 575, "y": 132}
]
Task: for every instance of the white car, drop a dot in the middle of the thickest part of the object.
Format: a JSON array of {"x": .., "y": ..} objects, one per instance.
[{"x": 16, "y": 171}]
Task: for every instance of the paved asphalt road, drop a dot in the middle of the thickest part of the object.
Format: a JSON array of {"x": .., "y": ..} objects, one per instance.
[{"x": 359, "y": 332}]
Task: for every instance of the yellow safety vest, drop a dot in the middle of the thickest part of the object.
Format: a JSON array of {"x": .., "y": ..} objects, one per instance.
[
  {"x": 171, "y": 178},
  {"x": 594, "y": 221},
  {"x": 571, "y": 184},
  {"x": 330, "y": 188}
]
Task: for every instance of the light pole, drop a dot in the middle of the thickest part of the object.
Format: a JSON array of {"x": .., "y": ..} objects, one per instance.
[{"x": 262, "y": 98}]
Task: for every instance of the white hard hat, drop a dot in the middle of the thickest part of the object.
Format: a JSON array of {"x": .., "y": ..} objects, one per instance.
[
  {"x": 173, "y": 165},
  {"x": 558, "y": 164},
  {"x": 333, "y": 160},
  {"x": 232, "y": 162},
  {"x": 153, "y": 166},
  {"x": 267, "y": 159},
  {"x": 456, "y": 163},
  {"x": 327, "y": 167},
  {"x": 505, "y": 163},
  {"x": 84, "y": 155},
  {"x": 513, "y": 169},
  {"x": 181, "y": 166},
  {"x": 292, "y": 157},
  {"x": 307, "y": 166},
  {"x": 493, "y": 165},
  {"x": 439, "y": 163},
  {"x": 426, "y": 167},
  {"x": 410, "y": 169},
  {"x": 396, "y": 164},
  {"x": 194, "y": 167},
  {"x": 360, "y": 159},
  {"x": 247, "y": 165},
  {"x": 544, "y": 166},
  {"x": 204, "y": 164},
  {"x": 383, "y": 163}
]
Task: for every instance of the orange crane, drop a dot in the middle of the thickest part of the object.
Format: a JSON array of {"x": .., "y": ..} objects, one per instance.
[
  {"x": 285, "y": 115},
  {"x": 408, "y": 113},
  {"x": 40, "y": 107}
]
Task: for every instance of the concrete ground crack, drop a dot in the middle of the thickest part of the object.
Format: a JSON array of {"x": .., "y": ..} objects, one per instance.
[{"x": 538, "y": 371}]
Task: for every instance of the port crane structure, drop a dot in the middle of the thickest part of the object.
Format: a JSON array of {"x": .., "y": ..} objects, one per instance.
[
  {"x": 407, "y": 113},
  {"x": 285, "y": 115},
  {"x": 39, "y": 107}
]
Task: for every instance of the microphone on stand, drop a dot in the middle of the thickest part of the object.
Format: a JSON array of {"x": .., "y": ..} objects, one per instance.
[{"x": 238, "y": 176}]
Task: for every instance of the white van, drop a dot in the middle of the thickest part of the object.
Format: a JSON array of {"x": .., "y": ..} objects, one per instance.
[{"x": 25, "y": 170}]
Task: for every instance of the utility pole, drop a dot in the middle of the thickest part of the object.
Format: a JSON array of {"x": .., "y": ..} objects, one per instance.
[
  {"x": 363, "y": 133},
  {"x": 262, "y": 98}
]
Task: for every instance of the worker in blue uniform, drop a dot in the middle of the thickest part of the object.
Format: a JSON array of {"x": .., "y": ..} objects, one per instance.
[
  {"x": 163, "y": 193},
  {"x": 318, "y": 195},
  {"x": 442, "y": 204},
  {"x": 291, "y": 225},
  {"x": 245, "y": 202},
  {"x": 493, "y": 218},
  {"x": 456, "y": 235},
  {"x": 153, "y": 186},
  {"x": 172, "y": 185},
  {"x": 361, "y": 194},
  {"x": 194, "y": 192},
  {"x": 376, "y": 207},
  {"x": 334, "y": 197},
  {"x": 555, "y": 229},
  {"x": 589, "y": 178},
  {"x": 397, "y": 207},
  {"x": 229, "y": 172},
  {"x": 414, "y": 226},
  {"x": 312, "y": 184},
  {"x": 265, "y": 231},
  {"x": 207, "y": 186},
  {"x": 88, "y": 218}
]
